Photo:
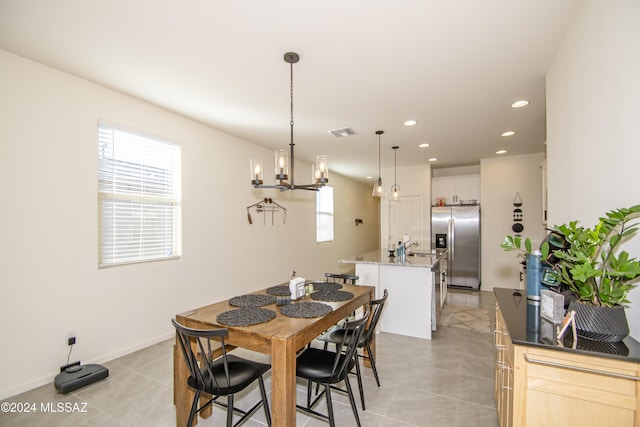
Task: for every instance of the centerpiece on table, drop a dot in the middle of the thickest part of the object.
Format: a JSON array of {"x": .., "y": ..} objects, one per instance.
[{"x": 594, "y": 269}]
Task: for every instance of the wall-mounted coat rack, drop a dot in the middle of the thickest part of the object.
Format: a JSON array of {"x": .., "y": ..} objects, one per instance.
[{"x": 264, "y": 207}]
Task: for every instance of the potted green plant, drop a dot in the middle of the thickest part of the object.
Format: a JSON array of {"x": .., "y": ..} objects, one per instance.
[{"x": 595, "y": 269}]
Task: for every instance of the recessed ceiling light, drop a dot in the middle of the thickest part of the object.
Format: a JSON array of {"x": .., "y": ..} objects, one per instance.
[
  {"x": 425, "y": 145},
  {"x": 410, "y": 123},
  {"x": 433, "y": 159},
  {"x": 520, "y": 103},
  {"x": 501, "y": 152},
  {"x": 508, "y": 133},
  {"x": 369, "y": 177}
]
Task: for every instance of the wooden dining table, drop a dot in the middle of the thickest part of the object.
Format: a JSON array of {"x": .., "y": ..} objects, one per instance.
[{"x": 281, "y": 338}]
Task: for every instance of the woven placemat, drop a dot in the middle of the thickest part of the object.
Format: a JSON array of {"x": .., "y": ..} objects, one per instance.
[
  {"x": 331, "y": 296},
  {"x": 306, "y": 310},
  {"x": 252, "y": 300},
  {"x": 245, "y": 316},
  {"x": 280, "y": 290},
  {"x": 326, "y": 286}
]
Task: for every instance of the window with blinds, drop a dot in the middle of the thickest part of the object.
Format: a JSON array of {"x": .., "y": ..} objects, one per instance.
[
  {"x": 324, "y": 214},
  {"x": 139, "y": 200}
]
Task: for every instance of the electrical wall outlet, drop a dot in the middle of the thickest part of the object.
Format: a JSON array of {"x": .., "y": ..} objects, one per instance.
[{"x": 71, "y": 337}]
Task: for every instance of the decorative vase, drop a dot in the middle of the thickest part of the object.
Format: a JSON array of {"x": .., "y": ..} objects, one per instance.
[{"x": 600, "y": 323}]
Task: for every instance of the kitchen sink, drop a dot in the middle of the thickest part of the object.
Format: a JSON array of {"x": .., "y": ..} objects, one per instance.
[{"x": 421, "y": 254}]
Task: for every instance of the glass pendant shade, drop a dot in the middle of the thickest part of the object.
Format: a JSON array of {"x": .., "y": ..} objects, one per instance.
[
  {"x": 377, "y": 188},
  {"x": 395, "y": 193},
  {"x": 282, "y": 165},
  {"x": 255, "y": 165},
  {"x": 321, "y": 171}
]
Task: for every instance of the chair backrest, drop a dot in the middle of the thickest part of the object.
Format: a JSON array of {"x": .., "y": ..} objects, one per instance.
[
  {"x": 341, "y": 278},
  {"x": 205, "y": 353},
  {"x": 376, "y": 312},
  {"x": 347, "y": 347}
]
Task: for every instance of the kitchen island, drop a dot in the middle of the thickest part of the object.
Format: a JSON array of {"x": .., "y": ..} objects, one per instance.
[{"x": 411, "y": 306}]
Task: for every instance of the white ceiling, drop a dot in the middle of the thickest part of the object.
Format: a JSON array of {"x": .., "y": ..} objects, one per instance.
[{"x": 455, "y": 66}]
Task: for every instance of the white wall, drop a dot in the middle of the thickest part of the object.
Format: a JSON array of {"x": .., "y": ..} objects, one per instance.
[
  {"x": 49, "y": 277},
  {"x": 593, "y": 130},
  {"x": 501, "y": 178}
]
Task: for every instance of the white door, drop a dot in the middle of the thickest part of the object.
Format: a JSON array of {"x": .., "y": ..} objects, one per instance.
[{"x": 406, "y": 216}]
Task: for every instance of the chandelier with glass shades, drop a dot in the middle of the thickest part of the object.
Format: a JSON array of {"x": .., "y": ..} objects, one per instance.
[{"x": 284, "y": 161}]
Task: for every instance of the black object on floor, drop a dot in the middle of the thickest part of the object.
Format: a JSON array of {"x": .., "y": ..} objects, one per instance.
[{"x": 73, "y": 378}]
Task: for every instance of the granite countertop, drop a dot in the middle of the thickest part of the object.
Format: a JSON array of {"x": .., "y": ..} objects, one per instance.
[
  {"x": 526, "y": 327},
  {"x": 423, "y": 259}
]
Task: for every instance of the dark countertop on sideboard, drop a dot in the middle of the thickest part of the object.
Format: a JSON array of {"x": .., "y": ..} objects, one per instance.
[{"x": 527, "y": 328}]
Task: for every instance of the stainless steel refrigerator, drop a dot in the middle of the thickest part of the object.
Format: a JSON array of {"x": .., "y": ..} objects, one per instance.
[{"x": 457, "y": 229}]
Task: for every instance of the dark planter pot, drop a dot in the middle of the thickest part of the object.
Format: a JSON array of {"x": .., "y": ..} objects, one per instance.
[{"x": 600, "y": 323}]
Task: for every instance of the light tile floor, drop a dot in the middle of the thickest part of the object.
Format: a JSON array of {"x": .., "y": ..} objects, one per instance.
[{"x": 446, "y": 381}]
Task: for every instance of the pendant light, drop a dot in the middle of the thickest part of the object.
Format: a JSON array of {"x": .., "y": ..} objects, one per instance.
[
  {"x": 377, "y": 186},
  {"x": 284, "y": 161},
  {"x": 395, "y": 189}
]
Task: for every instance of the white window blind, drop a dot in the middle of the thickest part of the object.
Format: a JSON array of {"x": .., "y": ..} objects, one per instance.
[
  {"x": 139, "y": 200},
  {"x": 324, "y": 214}
]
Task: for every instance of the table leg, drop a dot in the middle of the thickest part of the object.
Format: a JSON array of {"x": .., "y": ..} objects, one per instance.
[{"x": 283, "y": 382}]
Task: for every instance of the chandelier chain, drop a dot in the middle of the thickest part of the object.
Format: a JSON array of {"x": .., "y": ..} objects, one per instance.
[
  {"x": 291, "y": 93},
  {"x": 379, "y": 163}
]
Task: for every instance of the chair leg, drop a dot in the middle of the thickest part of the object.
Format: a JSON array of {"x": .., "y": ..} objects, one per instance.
[
  {"x": 352, "y": 400},
  {"x": 359, "y": 376},
  {"x": 332, "y": 421},
  {"x": 194, "y": 408},
  {"x": 326, "y": 346},
  {"x": 309, "y": 393},
  {"x": 265, "y": 402},
  {"x": 373, "y": 364},
  {"x": 230, "y": 410}
]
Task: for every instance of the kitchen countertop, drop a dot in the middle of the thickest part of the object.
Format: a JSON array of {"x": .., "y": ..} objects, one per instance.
[
  {"x": 423, "y": 259},
  {"x": 526, "y": 327}
]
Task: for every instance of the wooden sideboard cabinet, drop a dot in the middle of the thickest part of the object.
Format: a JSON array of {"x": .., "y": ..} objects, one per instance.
[
  {"x": 504, "y": 372},
  {"x": 542, "y": 385}
]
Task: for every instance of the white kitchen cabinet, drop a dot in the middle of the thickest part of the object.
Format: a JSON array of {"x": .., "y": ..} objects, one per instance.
[{"x": 455, "y": 189}]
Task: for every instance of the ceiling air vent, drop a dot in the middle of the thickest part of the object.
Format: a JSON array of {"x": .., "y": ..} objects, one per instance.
[{"x": 342, "y": 132}]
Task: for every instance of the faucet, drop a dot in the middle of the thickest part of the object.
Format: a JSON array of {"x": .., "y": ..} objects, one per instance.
[{"x": 408, "y": 245}]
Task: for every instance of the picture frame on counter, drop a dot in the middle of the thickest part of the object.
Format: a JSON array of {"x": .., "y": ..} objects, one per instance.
[{"x": 551, "y": 306}]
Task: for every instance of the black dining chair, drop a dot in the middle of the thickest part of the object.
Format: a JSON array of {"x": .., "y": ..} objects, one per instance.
[
  {"x": 338, "y": 334},
  {"x": 329, "y": 368},
  {"x": 347, "y": 279},
  {"x": 220, "y": 376}
]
